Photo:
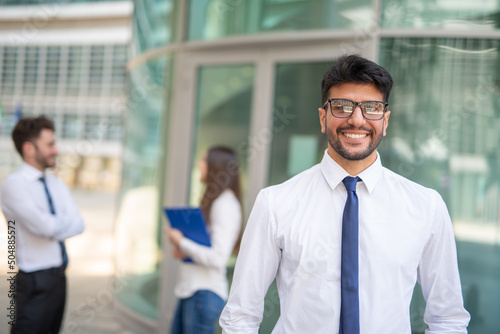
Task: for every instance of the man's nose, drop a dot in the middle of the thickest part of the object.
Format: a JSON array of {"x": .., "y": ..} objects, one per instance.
[{"x": 357, "y": 116}]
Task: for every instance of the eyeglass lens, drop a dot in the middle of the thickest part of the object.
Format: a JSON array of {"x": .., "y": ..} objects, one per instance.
[{"x": 344, "y": 108}]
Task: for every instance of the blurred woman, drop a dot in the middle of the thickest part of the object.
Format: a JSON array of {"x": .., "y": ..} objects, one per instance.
[{"x": 202, "y": 286}]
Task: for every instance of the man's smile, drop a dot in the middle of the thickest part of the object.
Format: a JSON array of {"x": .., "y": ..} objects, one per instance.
[{"x": 354, "y": 135}]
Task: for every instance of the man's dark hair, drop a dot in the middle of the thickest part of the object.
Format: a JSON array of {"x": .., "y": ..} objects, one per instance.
[
  {"x": 356, "y": 69},
  {"x": 28, "y": 129}
]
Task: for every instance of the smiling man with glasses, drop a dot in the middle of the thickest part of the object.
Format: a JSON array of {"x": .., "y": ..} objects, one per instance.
[{"x": 347, "y": 239}]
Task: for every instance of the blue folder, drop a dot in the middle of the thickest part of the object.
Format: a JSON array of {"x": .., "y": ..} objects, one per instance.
[{"x": 191, "y": 223}]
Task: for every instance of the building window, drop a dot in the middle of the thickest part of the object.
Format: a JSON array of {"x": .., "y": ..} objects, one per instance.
[
  {"x": 118, "y": 73},
  {"x": 92, "y": 122},
  {"x": 224, "y": 104},
  {"x": 9, "y": 70},
  {"x": 297, "y": 144},
  {"x": 443, "y": 15},
  {"x": 75, "y": 70},
  {"x": 445, "y": 130},
  {"x": 31, "y": 68},
  {"x": 212, "y": 19},
  {"x": 71, "y": 126},
  {"x": 96, "y": 69},
  {"x": 37, "y": 79},
  {"x": 114, "y": 128},
  {"x": 8, "y": 123},
  {"x": 52, "y": 69}
]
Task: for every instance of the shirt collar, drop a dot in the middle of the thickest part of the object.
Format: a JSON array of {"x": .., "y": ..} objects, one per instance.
[
  {"x": 334, "y": 173},
  {"x": 30, "y": 173}
]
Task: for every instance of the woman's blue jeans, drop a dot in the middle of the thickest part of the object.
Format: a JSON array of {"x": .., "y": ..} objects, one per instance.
[{"x": 197, "y": 314}]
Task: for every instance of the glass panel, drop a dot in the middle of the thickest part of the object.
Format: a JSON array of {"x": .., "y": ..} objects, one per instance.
[
  {"x": 444, "y": 133},
  {"x": 138, "y": 249},
  {"x": 118, "y": 73},
  {"x": 71, "y": 126},
  {"x": 154, "y": 23},
  {"x": 52, "y": 69},
  {"x": 297, "y": 140},
  {"x": 30, "y": 69},
  {"x": 42, "y": 2},
  {"x": 75, "y": 69},
  {"x": 211, "y": 19},
  {"x": 10, "y": 56},
  {"x": 223, "y": 109},
  {"x": 92, "y": 123},
  {"x": 8, "y": 122},
  {"x": 96, "y": 69},
  {"x": 441, "y": 14},
  {"x": 114, "y": 128}
]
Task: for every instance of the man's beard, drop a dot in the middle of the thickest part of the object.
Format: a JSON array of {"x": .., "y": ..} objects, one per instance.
[
  {"x": 336, "y": 144},
  {"x": 42, "y": 160}
]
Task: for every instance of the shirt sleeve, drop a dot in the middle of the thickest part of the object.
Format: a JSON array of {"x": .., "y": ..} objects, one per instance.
[
  {"x": 439, "y": 277},
  {"x": 255, "y": 269},
  {"x": 18, "y": 205},
  {"x": 226, "y": 225},
  {"x": 70, "y": 217}
]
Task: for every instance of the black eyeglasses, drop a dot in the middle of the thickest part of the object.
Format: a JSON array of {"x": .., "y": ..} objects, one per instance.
[{"x": 343, "y": 108}]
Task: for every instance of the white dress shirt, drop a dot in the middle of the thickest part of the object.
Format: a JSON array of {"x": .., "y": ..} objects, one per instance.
[
  {"x": 37, "y": 231},
  {"x": 208, "y": 269},
  {"x": 294, "y": 234}
]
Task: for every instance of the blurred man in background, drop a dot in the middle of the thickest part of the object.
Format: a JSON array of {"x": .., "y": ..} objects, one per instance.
[{"x": 40, "y": 208}]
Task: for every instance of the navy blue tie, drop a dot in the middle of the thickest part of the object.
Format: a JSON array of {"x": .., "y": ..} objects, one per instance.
[
  {"x": 349, "y": 305},
  {"x": 64, "y": 254}
]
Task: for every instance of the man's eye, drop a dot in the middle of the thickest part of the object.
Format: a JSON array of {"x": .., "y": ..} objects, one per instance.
[{"x": 342, "y": 107}]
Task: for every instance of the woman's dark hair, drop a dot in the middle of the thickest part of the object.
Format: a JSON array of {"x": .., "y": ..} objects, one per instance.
[
  {"x": 28, "y": 129},
  {"x": 223, "y": 172},
  {"x": 356, "y": 69}
]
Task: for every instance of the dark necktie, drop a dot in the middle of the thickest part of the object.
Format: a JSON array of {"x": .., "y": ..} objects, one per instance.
[
  {"x": 64, "y": 254},
  {"x": 349, "y": 309}
]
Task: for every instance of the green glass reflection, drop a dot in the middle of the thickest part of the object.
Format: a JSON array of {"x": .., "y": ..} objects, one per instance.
[
  {"x": 441, "y": 14},
  {"x": 223, "y": 109},
  {"x": 297, "y": 139},
  {"x": 212, "y": 19},
  {"x": 444, "y": 132},
  {"x": 43, "y": 2},
  {"x": 154, "y": 23},
  {"x": 138, "y": 221}
]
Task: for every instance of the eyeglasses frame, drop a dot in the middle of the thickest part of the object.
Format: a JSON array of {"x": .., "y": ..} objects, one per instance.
[{"x": 356, "y": 104}]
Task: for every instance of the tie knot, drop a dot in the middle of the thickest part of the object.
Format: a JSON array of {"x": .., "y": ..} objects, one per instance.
[
  {"x": 42, "y": 178},
  {"x": 350, "y": 183}
]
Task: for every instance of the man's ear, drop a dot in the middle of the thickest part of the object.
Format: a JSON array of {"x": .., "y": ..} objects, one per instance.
[
  {"x": 386, "y": 121},
  {"x": 28, "y": 148},
  {"x": 322, "y": 118}
]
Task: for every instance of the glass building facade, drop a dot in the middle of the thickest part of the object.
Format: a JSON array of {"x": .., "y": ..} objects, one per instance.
[
  {"x": 247, "y": 74},
  {"x": 71, "y": 68},
  {"x": 64, "y": 73},
  {"x": 41, "y": 2}
]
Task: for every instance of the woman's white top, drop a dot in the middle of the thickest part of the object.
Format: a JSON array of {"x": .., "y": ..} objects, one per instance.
[{"x": 208, "y": 269}]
